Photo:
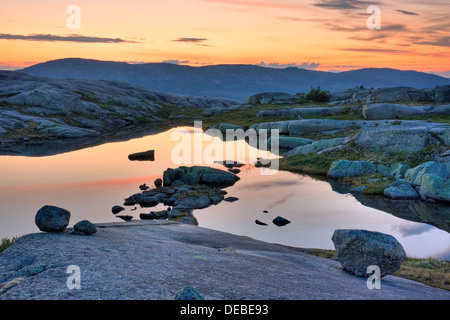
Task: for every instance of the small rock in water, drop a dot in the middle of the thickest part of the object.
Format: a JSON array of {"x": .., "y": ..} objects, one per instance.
[
  {"x": 280, "y": 221},
  {"x": 188, "y": 293},
  {"x": 265, "y": 211},
  {"x": 117, "y": 209},
  {"x": 231, "y": 199},
  {"x": 134, "y": 209},
  {"x": 143, "y": 156},
  {"x": 85, "y": 227},
  {"x": 235, "y": 171},
  {"x": 158, "y": 183},
  {"x": 125, "y": 218},
  {"x": 260, "y": 223}
]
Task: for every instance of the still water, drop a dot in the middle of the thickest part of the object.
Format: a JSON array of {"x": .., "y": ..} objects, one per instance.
[{"x": 90, "y": 181}]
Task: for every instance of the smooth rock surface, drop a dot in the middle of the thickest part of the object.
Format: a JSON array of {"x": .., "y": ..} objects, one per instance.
[
  {"x": 143, "y": 260},
  {"x": 52, "y": 219}
]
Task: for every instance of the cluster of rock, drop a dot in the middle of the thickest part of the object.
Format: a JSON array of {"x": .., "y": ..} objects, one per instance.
[
  {"x": 439, "y": 94},
  {"x": 55, "y": 219},
  {"x": 429, "y": 181},
  {"x": 182, "y": 190}
]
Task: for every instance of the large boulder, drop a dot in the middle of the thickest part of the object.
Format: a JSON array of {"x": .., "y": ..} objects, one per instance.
[
  {"x": 317, "y": 146},
  {"x": 358, "y": 249},
  {"x": 199, "y": 175},
  {"x": 435, "y": 187},
  {"x": 52, "y": 219},
  {"x": 393, "y": 139},
  {"x": 380, "y": 111},
  {"x": 346, "y": 168},
  {"x": 415, "y": 175},
  {"x": 290, "y": 142},
  {"x": 401, "y": 190},
  {"x": 193, "y": 203}
]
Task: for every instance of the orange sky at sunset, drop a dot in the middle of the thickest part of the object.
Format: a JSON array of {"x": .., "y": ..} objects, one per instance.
[{"x": 315, "y": 34}]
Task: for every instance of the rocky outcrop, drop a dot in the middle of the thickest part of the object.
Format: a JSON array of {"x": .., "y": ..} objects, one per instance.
[
  {"x": 359, "y": 249},
  {"x": 435, "y": 187},
  {"x": 66, "y": 109},
  {"x": 273, "y": 98},
  {"x": 52, "y": 219},
  {"x": 203, "y": 175},
  {"x": 346, "y": 168},
  {"x": 285, "y": 142},
  {"x": 401, "y": 190},
  {"x": 383, "y": 111},
  {"x": 318, "y": 146}
]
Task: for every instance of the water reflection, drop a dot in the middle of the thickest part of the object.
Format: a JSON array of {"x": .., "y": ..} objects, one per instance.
[{"x": 89, "y": 182}]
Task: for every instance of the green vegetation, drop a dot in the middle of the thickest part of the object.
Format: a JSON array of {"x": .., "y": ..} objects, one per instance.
[
  {"x": 318, "y": 95},
  {"x": 432, "y": 272},
  {"x": 6, "y": 243}
]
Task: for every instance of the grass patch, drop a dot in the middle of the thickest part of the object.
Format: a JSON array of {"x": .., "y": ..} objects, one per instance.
[
  {"x": 439, "y": 118},
  {"x": 6, "y": 243},
  {"x": 432, "y": 272},
  {"x": 375, "y": 183},
  {"x": 314, "y": 163}
]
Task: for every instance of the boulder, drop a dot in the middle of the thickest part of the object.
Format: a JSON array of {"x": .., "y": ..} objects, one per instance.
[
  {"x": 85, "y": 227},
  {"x": 358, "y": 249},
  {"x": 223, "y": 127},
  {"x": 52, "y": 219},
  {"x": 231, "y": 199},
  {"x": 414, "y": 176},
  {"x": 346, "y": 168},
  {"x": 384, "y": 111},
  {"x": 188, "y": 293},
  {"x": 317, "y": 146},
  {"x": 401, "y": 190},
  {"x": 285, "y": 142},
  {"x": 158, "y": 183},
  {"x": 435, "y": 187},
  {"x": 193, "y": 202},
  {"x": 398, "y": 170},
  {"x": 117, "y": 209},
  {"x": 260, "y": 223}
]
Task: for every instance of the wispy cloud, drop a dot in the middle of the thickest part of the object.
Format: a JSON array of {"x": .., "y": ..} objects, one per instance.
[
  {"x": 441, "y": 42},
  {"x": 408, "y": 12},
  {"x": 412, "y": 229},
  {"x": 343, "y": 4},
  {"x": 276, "y": 65},
  {"x": 375, "y": 50},
  {"x": 260, "y": 4},
  {"x": 192, "y": 40},
  {"x": 55, "y": 38}
]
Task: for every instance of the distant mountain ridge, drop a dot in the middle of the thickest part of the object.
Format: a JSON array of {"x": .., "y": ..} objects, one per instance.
[{"x": 236, "y": 82}]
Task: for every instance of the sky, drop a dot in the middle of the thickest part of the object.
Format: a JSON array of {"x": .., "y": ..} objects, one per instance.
[{"x": 325, "y": 35}]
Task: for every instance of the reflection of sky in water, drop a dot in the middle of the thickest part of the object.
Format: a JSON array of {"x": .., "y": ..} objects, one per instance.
[{"x": 89, "y": 182}]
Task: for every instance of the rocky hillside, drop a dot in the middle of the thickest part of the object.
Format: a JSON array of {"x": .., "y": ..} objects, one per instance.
[{"x": 35, "y": 107}]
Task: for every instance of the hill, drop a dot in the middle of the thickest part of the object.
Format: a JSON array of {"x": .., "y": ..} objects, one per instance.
[{"x": 236, "y": 82}]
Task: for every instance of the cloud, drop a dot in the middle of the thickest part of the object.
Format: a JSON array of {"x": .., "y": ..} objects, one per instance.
[
  {"x": 54, "y": 38},
  {"x": 281, "y": 200},
  {"x": 375, "y": 50},
  {"x": 175, "y": 61},
  {"x": 408, "y": 12},
  {"x": 442, "y": 42},
  {"x": 276, "y": 65},
  {"x": 412, "y": 229},
  {"x": 191, "y": 40},
  {"x": 271, "y": 184},
  {"x": 343, "y": 4},
  {"x": 260, "y": 4}
]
